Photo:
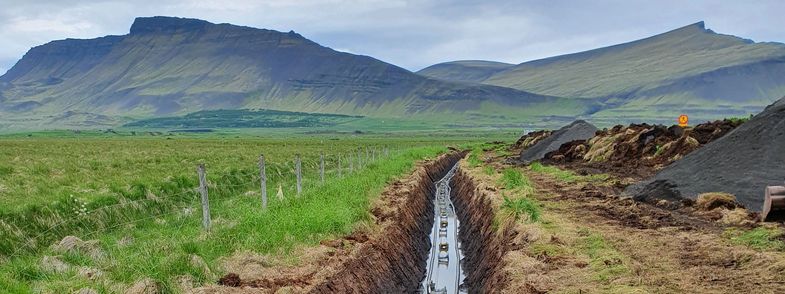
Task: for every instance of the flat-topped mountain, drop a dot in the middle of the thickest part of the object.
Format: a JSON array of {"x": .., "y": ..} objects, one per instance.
[{"x": 171, "y": 66}]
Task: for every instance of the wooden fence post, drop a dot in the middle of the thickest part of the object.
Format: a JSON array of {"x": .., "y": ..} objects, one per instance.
[
  {"x": 359, "y": 158},
  {"x": 203, "y": 191},
  {"x": 321, "y": 166},
  {"x": 263, "y": 177},
  {"x": 386, "y": 151},
  {"x": 351, "y": 163},
  {"x": 373, "y": 154},
  {"x": 298, "y": 170},
  {"x": 340, "y": 171}
]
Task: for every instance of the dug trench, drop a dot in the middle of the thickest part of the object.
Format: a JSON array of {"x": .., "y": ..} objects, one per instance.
[{"x": 391, "y": 256}]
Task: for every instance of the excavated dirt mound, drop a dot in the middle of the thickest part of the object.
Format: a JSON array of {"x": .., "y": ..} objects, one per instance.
[
  {"x": 531, "y": 138},
  {"x": 577, "y": 130},
  {"x": 638, "y": 149},
  {"x": 741, "y": 163}
]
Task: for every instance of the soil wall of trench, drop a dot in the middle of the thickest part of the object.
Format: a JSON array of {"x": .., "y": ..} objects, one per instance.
[
  {"x": 394, "y": 259},
  {"x": 483, "y": 245}
]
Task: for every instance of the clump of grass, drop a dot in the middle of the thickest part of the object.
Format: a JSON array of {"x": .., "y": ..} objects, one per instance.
[
  {"x": 522, "y": 207},
  {"x": 502, "y": 152},
  {"x": 740, "y": 120},
  {"x": 512, "y": 178},
  {"x": 6, "y": 171},
  {"x": 549, "y": 249},
  {"x": 758, "y": 238},
  {"x": 474, "y": 157},
  {"x": 489, "y": 170},
  {"x": 605, "y": 261}
]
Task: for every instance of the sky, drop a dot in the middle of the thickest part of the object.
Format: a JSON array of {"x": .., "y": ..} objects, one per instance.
[{"x": 410, "y": 34}]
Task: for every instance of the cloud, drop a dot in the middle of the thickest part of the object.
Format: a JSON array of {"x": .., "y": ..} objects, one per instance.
[{"x": 408, "y": 33}]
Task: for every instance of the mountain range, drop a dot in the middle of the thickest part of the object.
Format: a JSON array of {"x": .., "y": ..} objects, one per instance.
[
  {"x": 169, "y": 67},
  {"x": 690, "y": 70}
]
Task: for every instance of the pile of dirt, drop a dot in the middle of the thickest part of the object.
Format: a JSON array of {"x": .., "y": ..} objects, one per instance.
[
  {"x": 626, "y": 149},
  {"x": 531, "y": 138},
  {"x": 741, "y": 163},
  {"x": 577, "y": 130}
]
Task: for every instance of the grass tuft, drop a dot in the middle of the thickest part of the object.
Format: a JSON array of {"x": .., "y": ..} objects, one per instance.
[
  {"x": 522, "y": 207},
  {"x": 512, "y": 178},
  {"x": 474, "y": 159},
  {"x": 605, "y": 261},
  {"x": 758, "y": 238}
]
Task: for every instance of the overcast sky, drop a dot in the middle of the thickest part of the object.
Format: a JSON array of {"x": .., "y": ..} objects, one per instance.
[{"x": 411, "y": 34}]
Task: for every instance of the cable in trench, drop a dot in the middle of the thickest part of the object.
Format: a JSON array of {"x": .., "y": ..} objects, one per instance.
[{"x": 444, "y": 273}]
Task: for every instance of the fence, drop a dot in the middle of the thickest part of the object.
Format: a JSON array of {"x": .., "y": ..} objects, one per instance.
[
  {"x": 369, "y": 157},
  {"x": 145, "y": 205}
]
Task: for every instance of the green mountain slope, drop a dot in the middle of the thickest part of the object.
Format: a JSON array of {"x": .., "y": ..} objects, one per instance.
[
  {"x": 172, "y": 66},
  {"x": 637, "y": 66},
  {"x": 688, "y": 70},
  {"x": 472, "y": 71}
]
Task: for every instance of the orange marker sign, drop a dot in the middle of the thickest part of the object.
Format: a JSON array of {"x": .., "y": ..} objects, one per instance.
[{"x": 683, "y": 120}]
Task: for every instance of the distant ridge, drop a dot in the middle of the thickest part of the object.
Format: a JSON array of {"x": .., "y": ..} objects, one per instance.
[
  {"x": 170, "y": 67},
  {"x": 173, "y": 66},
  {"x": 690, "y": 69},
  {"x": 473, "y": 71}
]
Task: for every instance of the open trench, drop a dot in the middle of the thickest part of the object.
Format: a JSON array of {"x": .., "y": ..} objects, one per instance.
[{"x": 397, "y": 260}]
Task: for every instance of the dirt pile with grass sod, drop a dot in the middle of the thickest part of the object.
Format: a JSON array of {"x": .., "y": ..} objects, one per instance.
[
  {"x": 531, "y": 138},
  {"x": 638, "y": 149},
  {"x": 741, "y": 163},
  {"x": 577, "y": 130}
]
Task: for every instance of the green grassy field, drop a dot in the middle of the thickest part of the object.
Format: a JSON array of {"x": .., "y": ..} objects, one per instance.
[{"x": 115, "y": 187}]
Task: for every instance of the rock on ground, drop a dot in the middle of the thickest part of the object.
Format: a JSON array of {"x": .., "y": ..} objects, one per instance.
[
  {"x": 86, "y": 291},
  {"x": 74, "y": 244},
  {"x": 54, "y": 264},
  {"x": 577, "y": 130},
  {"x": 90, "y": 273},
  {"x": 144, "y": 286},
  {"x": 741, "y": 163}
]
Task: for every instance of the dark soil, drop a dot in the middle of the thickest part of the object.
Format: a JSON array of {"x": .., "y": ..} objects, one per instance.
[
  {"x": 638, "y": 150},
  {"x": 605, "y": 201},
  {"x": 741, "y": 163}
]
